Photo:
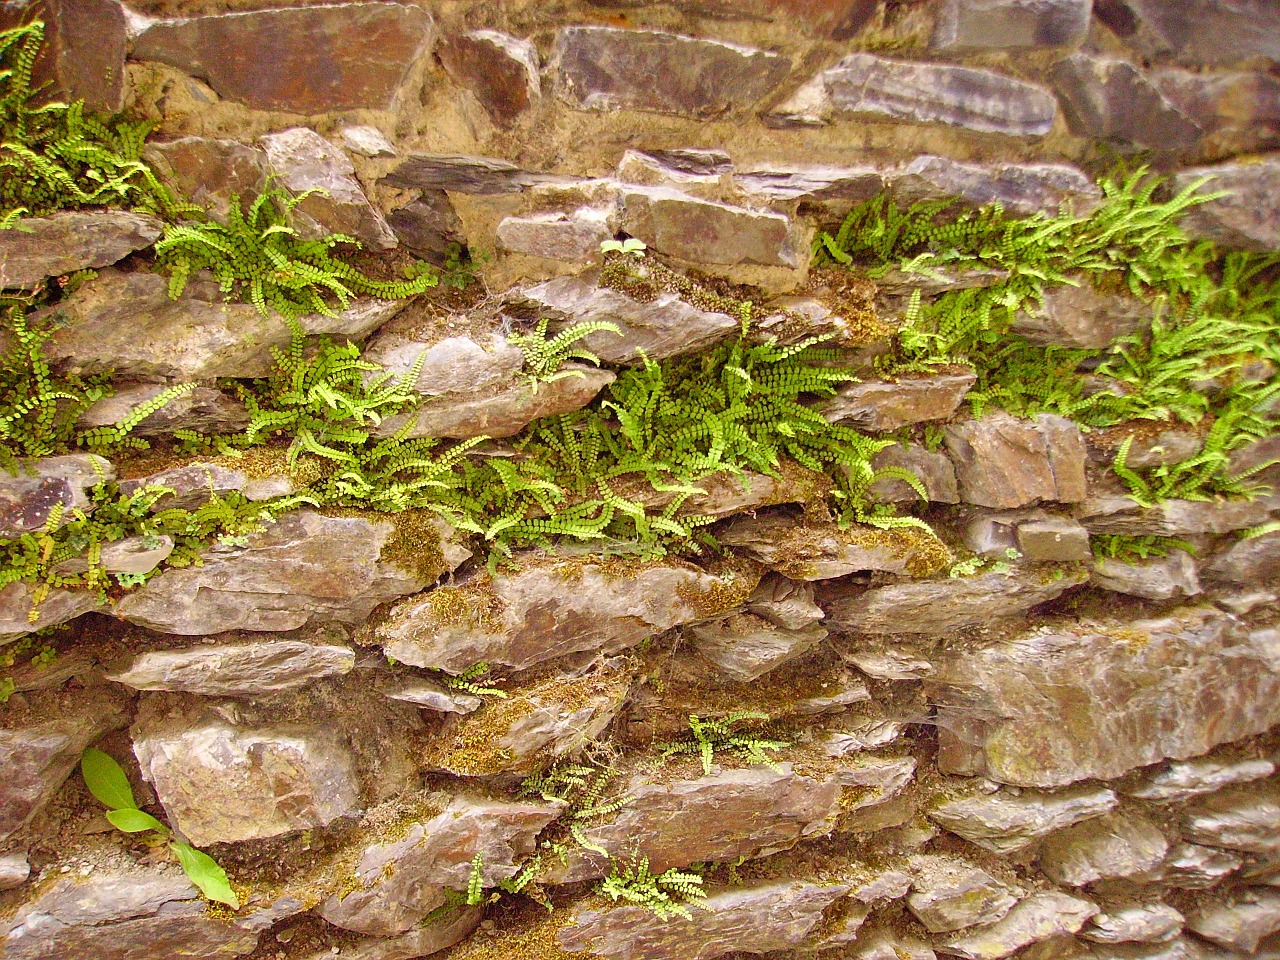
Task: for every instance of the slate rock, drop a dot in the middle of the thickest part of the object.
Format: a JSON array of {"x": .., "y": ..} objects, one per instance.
[
  {"x": 203, "y": 409},
  {"x": 972, "y": 26},
  {"x": 501, "y": 70},
  {"x": 1190, "y": 866},
  {"x": 605, "y": 68},
  {"x": 1205, "y": 31},
  {"x": 1054, "y": 540},
  {"x": 399, "y": 882},
  {"x": 1109, "y": 515},
  {"x": 428, "y": 227},
  {"x": 41, "y": 247},
  {"x": 483, "y": 176},
  {"x": 1144, "y": 923},
  {"x": 208, "y": 172},
  {"x": 455, "y": 365},
  {"x": 367, "y": 141},
  {"x": 21, "y": 615},
  {"x": 870, "y": 87},
  {"x": 1110, "y": 99},
  {"x": 1164, "y": 449},
  {"x": 222, "y": 783},
  {"x": 422, "y": 941},
  {"x": 1241, "y": 922},
  {"x": 759, "y": 918},
  {"x": 868, "y": 730},
  {"x": 303, "y": 568},
  {"x": 784, "y": 603},
  {"x": 1002, "y": 461},
  {"x": 307, "y": 60},
  {"x": 896, "y": 659},
  {"x": 939, "y": 607},
  {"x": 1255, "y": 562},
  {"x": 1246, "y": 819},
  {"x": 1184, "y": 780},
  {"x": 14, "y": 871},
  {"x": 1248, "y": 217},
  {"x": 1041, "y": 916},
  {"x": 744, "y": 647},
  {"x": 1081, "y": 317},
  {"x": 85, "y": 45},
  {"x": 195, "y": 483},
  {"x": 1005, "y": 822},
  {"x": 813, "y": 183},
  {"x": 933, "y": 469},
  {"x": 699, "y": 173},
  {"x": 1022, "y": 189},
  {"x": 300, "y": 160},
  {"x": 1105, "y": 848},
  {"x": 43, "y": 492},
  {"x": 570, "y": 237},
  {"x": 886, "y": 405},
  {"x": 1162, "y": 578},
  {"x": 1238, "y": 110},
  {"x": 885, "y": 943},
  {"x": 1096, "y": 700},
  {"x": 950, "y": 894},
  {"x": 431, "y": 695},
  {"x": 236, "y": 670}
]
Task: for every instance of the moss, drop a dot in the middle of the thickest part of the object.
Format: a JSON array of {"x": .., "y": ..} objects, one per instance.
[
  {"x": 736, "y": 578},
  {"x": 925, "y": 553},
  {"x": 538, "y": 940},
  {"x": 472, "y": 604}
]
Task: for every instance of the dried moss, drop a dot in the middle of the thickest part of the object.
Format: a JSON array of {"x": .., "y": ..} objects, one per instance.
[
  {"x": 736, "y": 578},
  {"x": 414, "y": 546},
  {"x": 539, "y": 940}
]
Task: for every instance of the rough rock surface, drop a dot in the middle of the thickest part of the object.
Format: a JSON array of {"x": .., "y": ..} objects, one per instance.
[
  {"x": 1184, "y": 780},
  {"x": 1170, "y": 518},
  {"x": 464, "y": 174},
  {"x": 572, "y": 238},
  {"x": 1145, "y": 923},
  {"x": 1245, "y": 819},
  {"x": 888, "y": 405},
  {"x": 932, "y": 468},
  {"x": 72, "y": 240},
  {"x": 86, "y": 42},
  {"x": 208, "y": 172},
  {"x": 1241, "y": 923},
  {"x": 242, "y": 669},
  {"x": 745, "y": 646},
  {"x": 1021, "y": 188},
  {"x": 202, "y": 409},
  {"x": 21, "y": 615},
  {"x": 1109, "y": 99},
  {"x": 951, "y": 894},
  {"x": 14, "y": 871},
  {"x": 1107, "y": 847},
  {"x": 1002, "y": 461},
  {"x": 1249, "y": 216},
  {"x": 1164, "y": 578},
  {"x": 1081, "y": 316},
  {"x": 37, "y": 488},
  {"x": 968, "y": 26},
  {"x": 811, "y": 182},
  {"x": 707, "y": 232},
  {"x": 1204, "y": 31},
  {"x": 501, "y": 70},
  {"x": 1039, "y": 917},
  {"x": 1008, "y": 822}
]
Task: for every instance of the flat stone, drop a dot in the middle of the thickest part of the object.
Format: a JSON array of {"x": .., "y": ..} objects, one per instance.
[
  {"x": 933, "y": 469},
  {"x": 1249, "y": 216},
  {"x": 704, "y": 231},
  {"x": 209, "y": 172},
  {"x": 950, "y": 894},
  {"x": 39, "y": 757},
  {"x": 942, "y": 279},
  {"x": 431, "y": 695},
  {"x": 1145, "y": 923},
  {"x": 1022, "y": 189},
  {"x": 812, "y": 182},
  {"x": 127, "y": 323},
  {"x": 1098, "y": 700},
  {"x": 14, "y": 871},
  {"x": 422, "y": 941},
  {"x": 1192, "y": 778},
  {"x": 1170, "y": 518},
  {"x": 888, "y": 659},
  {"x": 784, "y": 603},
  {"x": 195, "y": 484},
  {"x": 300, "y": 160},
  {"x": 134, "y": 555},
  {"x": 1164, "y": 449},
  {"x": 501, "y": 70},
  {"x": 505, "y": 413},
  {"x": 1081, "y": 317},
  {"x": 744, "y": 647},
  {"x": 1040, "y": 917},
  {"x": 1055, "y": 540},
  {"x": 1178, "y": 949},
  {"x": 1255, "y": 562},
  {"x": 939, "y": 607},
  {"x": 202, "y": 409},
  {"x": 605, "y": 68},
  {"x": 428, "y": 227},
  {"x": 1190, "y": 866},
  {"x": 1206, "y": 31},
  {"x": 399, "y": 882},
  {"x": 1258, "y": 462},
  {"x": 342, "y": 56},
  {"x": 221, "y": 783},
  {"x": 698, "y": 173},
  {"x": 455, "y": 365},
  {"x": 884, "y": 943},
  {"x": 866, "y": 731},
  {"x": 1245, "y": 819},
  {"x": 870, "y": 87},
  {"x": 367, "y": 141},
  {"x": 85, "y": 45},
  {"x": 886, "y": 405},
  {"x": 455, "y": 173},
  {"x": 43, "y": 493},
  {"x": 1002, "y": 461},
  {"x": 751, "y": 919},
  {"x": 1241, "y": 922},
  {"x": 570, "y": 237},
  {"x": 1164, "y": 578},
  {"x": 1238, "y": 110},
  {"x": 811, "y": 550},
  {"x": 21, "y": 615},
  {"x": 236, "y": 670},
  {"x": 61, "y": 243},
  {"x": 1110, "y": 99},
  {"x": 1112, "y": 846},
  {"x": 303, "y": 568},
  {"x": 1006, "y": 823},
  {"x": 112, "y": 914},
  {"x": 664, "y": 327},
  {"x": 971, "y": 26}
]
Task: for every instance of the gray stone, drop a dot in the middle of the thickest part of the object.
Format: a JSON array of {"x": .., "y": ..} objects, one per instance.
[
  {"x": 950, "y": 894},
  {"x": 196, "y": 483},
  {"x": 301, "y": 160},
  {"x": 399, "y": 882},
  {"x": 874, "y": 786},
  {"x": 888, "y": 659},
  {"x": 221, "y": 783},
  {"x": 86, "y": 42},
  {"x": 604, "y": 68},
  {"x": 1144, "y": 923},
  {"x": 1056, "y": 705},
  {"x": 1245, "y": 819},
  {"x": 465, "y": 174},
  {"x": 202, "y": 409},
  {"x": 759, "y": 918},
  {"x": 885, "y": 943},
  {"x": 367, "y": 141},
  {"x": 1002, "y": 461},
  {"x": 784, "y": 603},
  {"x": 811, "y": 182},
  {"x": 858, "y": 732},
  {"x": 422, "y": 941},
  {"x": 210, "y": 172},
  {"x": 1170, "y": 518},
  {"x": 303, "y": 568},
  {"x": 933, "y": 469},
  {"x": 134, "y": 555},
  {"x": 1178, "y": 949},
  {"x": 744, "y": 647},
  {"x": 501, "y": 70},
  {"x": 996, "y": 534},
  {"x": 1006, "y": 822},
  {"x": 886, "y": 405},
  {"x": 343, "y": 56},
  {"x": 1040, "y": 917},
  {"x": 236, "y": 670},
  {"x": 1164, "y": 578},
  {"x": 1109, "y": 99},
  {"x": 1081, "y": 317},
  {"x": 1248, "y": 217},
  {"x": 1022, "y": 189},
  {"x": 1105, "y": 848},
  {"x": 455, "y": 365},
  {"x": 1055, "y": 539},
  {"x": 934, "y": 280},
  {"x": 127, "y": 323},
  {"x": 1190, "y": 866},
  {"x": 431, "y": 695},
  {"x": 1164, "y": 449},
  {"x": 21, "y": 615},
  {"x": 1205, "y": 31},
  {"x": 14, "y": 871},
  {"x": 1192, "y": 778},
  {"x": 699, "y": 173},
  {"x": 429, "y": 227},
  {"x": 570, "y": 237},
  {"x": 970, "y": 26},
  {"x": 1258, "y": 462},
  {"x": 1255, "y": 562},
  {"x": 938, "y": 607},
  {"x": 42, "y": 494},
  {"x": 41, "y": 247},
  {"x": 664, "y": 327},
  {"x": 870, "y": 87},
  {"x": 1241, "y": 922},
  {"x": 1238, "y": 110}
]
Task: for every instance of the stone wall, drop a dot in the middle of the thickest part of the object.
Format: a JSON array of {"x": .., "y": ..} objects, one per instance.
[{"x": 1051, "y": 757}]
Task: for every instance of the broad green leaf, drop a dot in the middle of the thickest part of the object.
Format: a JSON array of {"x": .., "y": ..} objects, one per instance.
[
  {"x": 134, "y": 821},
  {"x": 106, "y": 781},
  {"x": 205, "y": 874}
]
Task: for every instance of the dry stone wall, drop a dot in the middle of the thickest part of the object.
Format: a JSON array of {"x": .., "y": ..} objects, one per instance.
[{"x": 1048, "y": 757}]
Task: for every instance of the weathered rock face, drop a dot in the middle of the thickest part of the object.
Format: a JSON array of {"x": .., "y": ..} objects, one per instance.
[
  {"x": 1245, "y": 819},
  {"x": 501, "y": 70},
  {"x": 571, "y": 238},
  {"x": 43, "y": 492},
  {"x": 745, "y": 646},
  {"x": 209, "y": 172},
  {"x": 1081, "y": 317},
  {"x": 344, "y": 56},
  {"x": 464, "y": 174},
  {"x": 244, "y": 669},
  {"x": 1239, "y": 924},
  {"x": 422, "y": 941},
  {"x": 1006, "y": 822},
  {"x": 1146, "y": 923},
  {"x": 1022, "y": 189},
  {"x": 1039, "y": 917},
  {"x": 86, "y": 42},
  {"x": 933, "y": 469},
  {"x": 1204, "y": 31},
  {"x": 1247, "y": 216},
  {"x": 887, "y": 405},
  {"x": 203, "y": 409},
  {"x": 14, "y": 871},
  {"x": 1176, "y": 686},
  {"x": 20, "y": 614},
  {"x": 967, "y": 26},
  {"x": 69, "y": 241},
  {"x": 814, "y": 183},
  {"x": 603, "y": 68},
  {"x": 1110, "y": 99},
  {"x": 1192, "y": 778},
  {"x": 1166, "y": 578},
  {"x": 1170, "y": 518},
  {"x": 1107, "y": 847},
  {"x": 1002, "y": 461},
  {"x": 951, "y": 894}
]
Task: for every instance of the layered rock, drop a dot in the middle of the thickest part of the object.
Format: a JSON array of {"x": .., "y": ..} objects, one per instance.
[
  {"x": 969, "y": 26},
  {"x": 242, "y": 669},
  {"x": 1008, "y": 822},
  {"x": 42, "y": 494},
  {"x": 68, "y": 241},
  {"x": 1002, "y": 461},
  {"x": 501, "y": 70}
]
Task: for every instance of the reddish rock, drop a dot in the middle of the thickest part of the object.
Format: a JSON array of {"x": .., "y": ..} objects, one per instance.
[
  {"x": 883, "y": 405},
  {"x": 969, "y": 26},
  {"x": 1002, "y": 461},
  {"x": 69, "y": 241},
  {"x": 208, "y": 172},
  {"x": 501, "y": 70},
  {"x": 1199, "y": 31},
  {"x": 1022, "y": 189},
  {"x": 84, "y": 52},
  {"x": 703, "y": 231},
  {"x": 30, "y": 495},
  {"x": 1109, "y": 99},
  {"x": 1248, "y": 217}
]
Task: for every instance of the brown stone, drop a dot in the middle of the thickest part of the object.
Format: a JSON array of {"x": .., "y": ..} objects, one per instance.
[
  {"x": 1238, "y": 110},
  {"x": 812, "y": 183},
  {"x": 84, "y": 51},
  {"x": 744, "y": 646},
  {"x": 1108, "y": 99},
  {"x": 209, "y": 172},
  {"x": 501, "y": 70},
  {"x": 1202, "y": 31},
  {"x": 21, "y": 615},
  {"x": 1241, "y": 922},
  {"x": 61, "y": 243},
  {"x": 483, "y": 176},
  {"x": 202, "y": 409},
  {"x": 1106, "y": 848},
  {"x": 308, "y": 60},
  {"x": 1054, "y": 540},
  {"x": 1081, "y": 317},
  {"x": 429, "y": 227},
  {"x": 885, "y": 405},
  {"x": 933, "y": 469},
  {"x": 1163, "y": 578},
  {"x": 1041, "y": 916},
  {"x": 248, "y": 669},
  {"x": 1253, "y": 562},
  {"x": 1002, "y": 461},
  {"x": 950, "y": 894},
  {"x": 971, "y": 26},
  {"x": 1170, "y": 518},
  {"x": 568, "y": 237},
  {"x": 1005, "y": 822},
  {"x": 1248, "y": 216},
  {"x": 1245, "y": 819},
  {"x": 42, "y": 494}
]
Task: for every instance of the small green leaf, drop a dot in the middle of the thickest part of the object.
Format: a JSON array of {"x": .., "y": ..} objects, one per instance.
[
  {"x": 205, "y": 873},
  {"x": 106, "y": 781},
  {"x": 134, "y": 821}
]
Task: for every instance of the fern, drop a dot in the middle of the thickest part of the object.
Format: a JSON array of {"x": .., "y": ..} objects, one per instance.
[
  {"x": 712, "y": 736},
  {"x": 466, "y": 682},
  {"x": 543, "y": 358},
  {"x": 665, "y": 894}
]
